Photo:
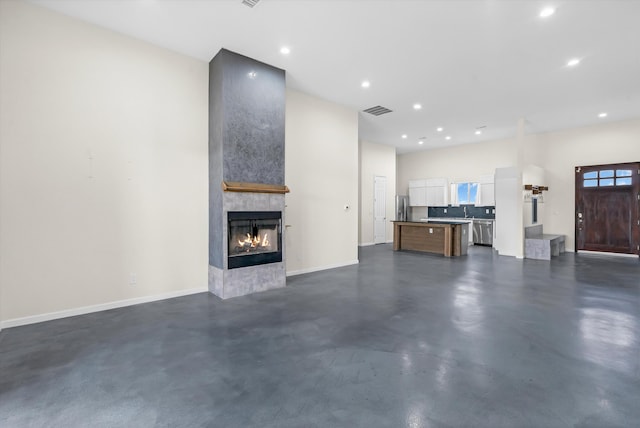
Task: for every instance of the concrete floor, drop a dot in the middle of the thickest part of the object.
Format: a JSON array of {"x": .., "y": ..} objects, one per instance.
[{"x": 402, "y": 340}]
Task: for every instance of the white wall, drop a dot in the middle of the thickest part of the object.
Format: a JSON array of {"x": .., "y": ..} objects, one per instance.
[
  {"x": 509, "y": 232},
  {"x": 376, "y": 160},
  {"x": 321, "y": 169},
  {"x": 564, "y": 150},
  {"x": 103, "y": 167},
  {"x": 458, "y": 163}
]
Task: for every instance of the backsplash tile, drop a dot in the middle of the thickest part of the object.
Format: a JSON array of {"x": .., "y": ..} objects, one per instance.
[{"x": 462, "y": 211}]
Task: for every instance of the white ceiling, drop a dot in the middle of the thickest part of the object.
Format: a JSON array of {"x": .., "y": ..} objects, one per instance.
[{"x": 470, "y": 63}]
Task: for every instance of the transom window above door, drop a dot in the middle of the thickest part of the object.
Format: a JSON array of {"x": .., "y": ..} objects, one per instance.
[{"x": 608, "y": 178}]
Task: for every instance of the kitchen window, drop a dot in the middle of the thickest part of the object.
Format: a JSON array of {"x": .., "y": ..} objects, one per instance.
[{"x": 467, "y": 193}]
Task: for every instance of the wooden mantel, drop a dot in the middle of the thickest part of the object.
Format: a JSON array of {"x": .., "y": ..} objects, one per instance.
[{"x": 238, "y": 186}]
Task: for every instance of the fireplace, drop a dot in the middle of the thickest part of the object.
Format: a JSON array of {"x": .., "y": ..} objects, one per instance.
[
  {"x": 247, "y": 103},
  {"x": 254, "y": 238}
]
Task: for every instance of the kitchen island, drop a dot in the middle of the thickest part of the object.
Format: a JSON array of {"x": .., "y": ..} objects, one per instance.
[{"x": 442, "y": 237}]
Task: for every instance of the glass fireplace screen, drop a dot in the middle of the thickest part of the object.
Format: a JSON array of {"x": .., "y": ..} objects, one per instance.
[{"x": 254, "y": 238}]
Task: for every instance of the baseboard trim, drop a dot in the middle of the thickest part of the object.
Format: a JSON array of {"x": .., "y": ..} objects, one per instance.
[
  {"x": 16, "y": 322},
  {"x": 319, "y": 268},
  {"x": 604, "y": 253},
  {"x": 370, "y": 244}
]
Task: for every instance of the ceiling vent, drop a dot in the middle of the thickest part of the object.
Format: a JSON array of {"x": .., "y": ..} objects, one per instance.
[
  {"x": 250, "y": 3},
  {"x": 377, "y": 110}
]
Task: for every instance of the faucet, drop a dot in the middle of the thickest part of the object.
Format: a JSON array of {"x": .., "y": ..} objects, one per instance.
[{"x": 464, "y": 208}]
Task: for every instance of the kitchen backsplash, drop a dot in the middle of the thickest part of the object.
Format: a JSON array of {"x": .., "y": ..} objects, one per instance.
[{"x": 462, "y": 211}]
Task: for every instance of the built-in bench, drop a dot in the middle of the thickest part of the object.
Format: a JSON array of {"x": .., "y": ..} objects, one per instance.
[{"x": 541, "y": 246}]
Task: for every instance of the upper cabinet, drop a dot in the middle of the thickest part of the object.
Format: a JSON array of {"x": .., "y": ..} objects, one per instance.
[
  {"x": 486, "y": 193},
  {"x": 437, "y": 192},
  {"x": 432, "y": 192},
  {"x": 417, "y": 193}
]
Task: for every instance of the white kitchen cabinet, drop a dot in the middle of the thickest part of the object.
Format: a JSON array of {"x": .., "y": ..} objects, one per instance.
[
  {"x": 417, "y": 196},
  {"x": 487, "y": 195},
  {"x": 436, "y": 196},
  {"x": 437, "y": 192},
  {"x": 432, "y": 192},
  {"x": 417, "y": 193}
]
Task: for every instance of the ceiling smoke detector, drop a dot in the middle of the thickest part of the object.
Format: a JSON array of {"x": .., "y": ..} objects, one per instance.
[
  {"x": 250, "y": 3},
  {"x": 377, "y": 110}
]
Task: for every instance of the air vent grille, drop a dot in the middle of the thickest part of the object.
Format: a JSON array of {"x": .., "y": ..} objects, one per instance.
[
  {"x": 250, "y": 3},
  {"x": 377, "y": 110}
]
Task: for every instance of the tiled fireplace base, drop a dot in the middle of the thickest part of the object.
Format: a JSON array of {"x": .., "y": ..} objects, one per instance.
[
  {"x": 241, "y": 281},
  {"x": 226, "y": 283}
]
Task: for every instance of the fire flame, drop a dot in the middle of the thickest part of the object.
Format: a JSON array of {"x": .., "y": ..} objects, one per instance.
[{"x": 254, "y": 241}]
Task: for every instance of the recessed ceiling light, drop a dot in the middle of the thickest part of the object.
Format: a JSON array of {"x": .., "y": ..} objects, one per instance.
[
  {"x": 404, "y": 136},
  {"x": 603, "y": 114},
  {"x": 448, "y": 137},
  {"x": 365, "y": 84},
  {"x": 285, "y": 50},
  {"x": 420, "y": 142},
  {"x": 547, "y": 12},
  {"x": 417, "y": 106},
  {"x": 573, "y": 62},
  {"x": 478, "y": 132},
  {"x": 440, "y": 129}
]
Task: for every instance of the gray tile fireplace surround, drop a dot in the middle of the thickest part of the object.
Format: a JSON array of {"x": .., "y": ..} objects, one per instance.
[
  {"x": 227, "y": 283},
  {"x": 246, "y": 145}
]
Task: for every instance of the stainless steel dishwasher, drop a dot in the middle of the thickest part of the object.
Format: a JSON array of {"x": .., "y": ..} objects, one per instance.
[{"x": 483, "y": 232}]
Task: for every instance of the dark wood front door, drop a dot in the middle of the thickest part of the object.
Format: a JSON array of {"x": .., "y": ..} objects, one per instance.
[{"x": 608, "y": 208}]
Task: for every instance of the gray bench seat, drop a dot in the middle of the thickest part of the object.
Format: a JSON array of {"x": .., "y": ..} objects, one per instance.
[{"x": 544, "y": 246}]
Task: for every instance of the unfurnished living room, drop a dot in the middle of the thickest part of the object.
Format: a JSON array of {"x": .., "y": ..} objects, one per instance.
[{"x": 276, "y": 213}]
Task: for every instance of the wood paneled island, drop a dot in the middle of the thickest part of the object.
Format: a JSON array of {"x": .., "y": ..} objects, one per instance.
[{"x": 438, "y": 238}]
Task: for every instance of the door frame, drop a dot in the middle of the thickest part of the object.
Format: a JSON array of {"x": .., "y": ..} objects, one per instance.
[
  {"x": 384, "y": 206},
  {"x": 635, "y": 190}
]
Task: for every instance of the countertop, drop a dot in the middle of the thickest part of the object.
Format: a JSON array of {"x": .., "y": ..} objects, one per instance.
[
  {"x": 444, "y": 221},
  {"x": 460, "y": 220}
]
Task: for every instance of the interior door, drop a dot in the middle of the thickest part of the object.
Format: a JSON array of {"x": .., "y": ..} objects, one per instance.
[
  {"x": 608, "y": 208},
  {"x": 379, "y": 209}
]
